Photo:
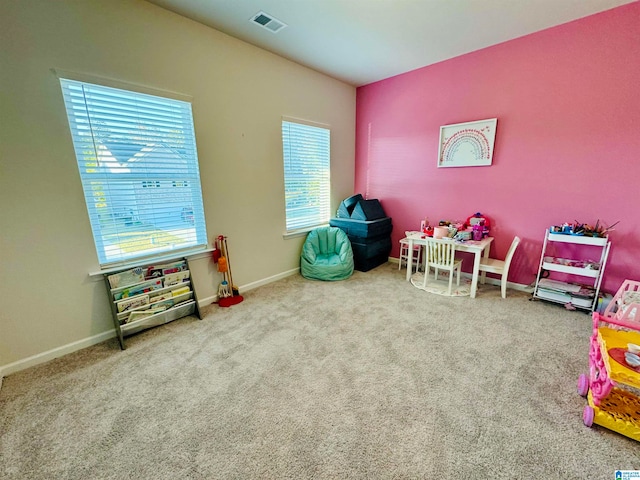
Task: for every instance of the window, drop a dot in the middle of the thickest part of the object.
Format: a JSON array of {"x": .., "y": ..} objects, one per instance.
[
  {"x": 306, "y": 175},
  {"x": 132, "y": 150}
]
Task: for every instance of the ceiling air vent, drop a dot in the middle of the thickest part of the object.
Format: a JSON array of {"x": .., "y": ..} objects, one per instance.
[{"x": 267, "y": 21}]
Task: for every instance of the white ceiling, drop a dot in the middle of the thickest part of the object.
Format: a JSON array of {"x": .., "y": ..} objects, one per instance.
[{"x": 363, "y": 41}]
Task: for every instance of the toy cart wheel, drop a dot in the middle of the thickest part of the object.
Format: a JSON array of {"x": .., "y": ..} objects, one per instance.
[
  {"x": 583, "y": 385},
  {"x": 587, "y": 416}
]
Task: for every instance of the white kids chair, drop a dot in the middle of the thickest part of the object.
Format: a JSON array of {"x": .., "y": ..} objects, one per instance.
[
  {"x": 500, "y": 267},
  {"x": 440, "y": 254},
  {"x": 416, "y": 254}
]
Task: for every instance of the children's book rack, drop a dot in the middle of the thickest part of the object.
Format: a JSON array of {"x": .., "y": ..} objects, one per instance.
[{"x": 149, "y": 295}]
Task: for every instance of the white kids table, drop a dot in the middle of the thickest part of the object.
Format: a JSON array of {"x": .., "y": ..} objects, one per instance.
[{"x": 478, "y": 248}]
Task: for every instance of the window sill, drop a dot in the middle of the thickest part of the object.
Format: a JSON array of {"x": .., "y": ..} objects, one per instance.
[{"x": 191, "y": 254}]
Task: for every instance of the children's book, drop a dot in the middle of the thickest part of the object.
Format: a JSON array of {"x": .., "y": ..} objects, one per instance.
[
  {"x": 135, "y": 275},
  {"x": 145, "y": 287},
  {"x": 137, "y": 315},
  {"x": 174, "y": 267},
  {"x": 180, "y": 291},
  {"x": 164, "y": 304},
  {"x": 153, "y": 271},
  {"x": 184, "y": 302},
  {"x": 160, "y": 297},
  {"x": 131, "y": 303},
  {"x": 176, "y": 278}
]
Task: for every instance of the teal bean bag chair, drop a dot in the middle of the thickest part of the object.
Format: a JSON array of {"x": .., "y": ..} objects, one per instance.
[{"x": 326, "y": 255}]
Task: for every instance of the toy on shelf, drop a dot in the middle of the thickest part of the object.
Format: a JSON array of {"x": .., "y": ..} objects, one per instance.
[
  {"x": 584, "y": 229},
  {"x": 612, "y": 387}
]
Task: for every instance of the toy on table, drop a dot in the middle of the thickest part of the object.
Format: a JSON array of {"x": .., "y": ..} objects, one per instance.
[
  {"x": 480, "y": 225},
  {"x": 425, "y": 229},
  {"x": 463, "y": 236},
  {"x": 476, "y": 227}
]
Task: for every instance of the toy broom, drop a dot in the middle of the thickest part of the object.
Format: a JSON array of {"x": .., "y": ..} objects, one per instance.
[{"x": 227, "y": 292}]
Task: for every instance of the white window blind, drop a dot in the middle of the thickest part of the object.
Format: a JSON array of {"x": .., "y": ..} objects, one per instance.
[
  {"x": 138, "y": 164},
  {"x": 307, "y": 184}
]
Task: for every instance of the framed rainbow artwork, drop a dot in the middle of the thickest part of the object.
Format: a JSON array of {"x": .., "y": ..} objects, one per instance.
[{"x": 467, "y": 144}]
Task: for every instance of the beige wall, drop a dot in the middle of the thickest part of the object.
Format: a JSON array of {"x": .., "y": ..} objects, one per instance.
[{"x": 239, "y": 95}]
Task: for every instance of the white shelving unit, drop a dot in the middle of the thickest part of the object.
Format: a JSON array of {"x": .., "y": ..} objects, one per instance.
[
  {"x": 588, "y": 271},
  {"x": 149, "y": 295}
]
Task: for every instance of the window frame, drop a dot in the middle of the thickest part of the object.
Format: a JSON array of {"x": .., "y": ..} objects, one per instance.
[
  {"x": 191, "y": 182},
  {"x": 322, "y": 218}
]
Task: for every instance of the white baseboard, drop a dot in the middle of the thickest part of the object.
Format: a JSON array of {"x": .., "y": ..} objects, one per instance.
[
  {"x": 265, "y": 281},
  {"x": 55, "y": 353},
  {"x": 251, "y": 286},
  {"x": 207, "y": 301},
  {"x": 101, "y": 337}
]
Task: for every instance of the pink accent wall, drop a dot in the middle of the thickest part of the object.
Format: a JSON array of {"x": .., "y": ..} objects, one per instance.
[{"x": 567, "y": 143}]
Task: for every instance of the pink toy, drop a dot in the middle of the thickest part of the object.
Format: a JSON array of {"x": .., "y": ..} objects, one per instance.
[{"x": 613, "y": 382}]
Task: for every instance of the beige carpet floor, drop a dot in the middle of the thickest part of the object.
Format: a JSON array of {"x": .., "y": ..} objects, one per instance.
[{"x": 364, "y": 378}]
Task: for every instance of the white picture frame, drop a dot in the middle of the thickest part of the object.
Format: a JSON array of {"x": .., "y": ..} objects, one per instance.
[{"x": 468, "y": 144}]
